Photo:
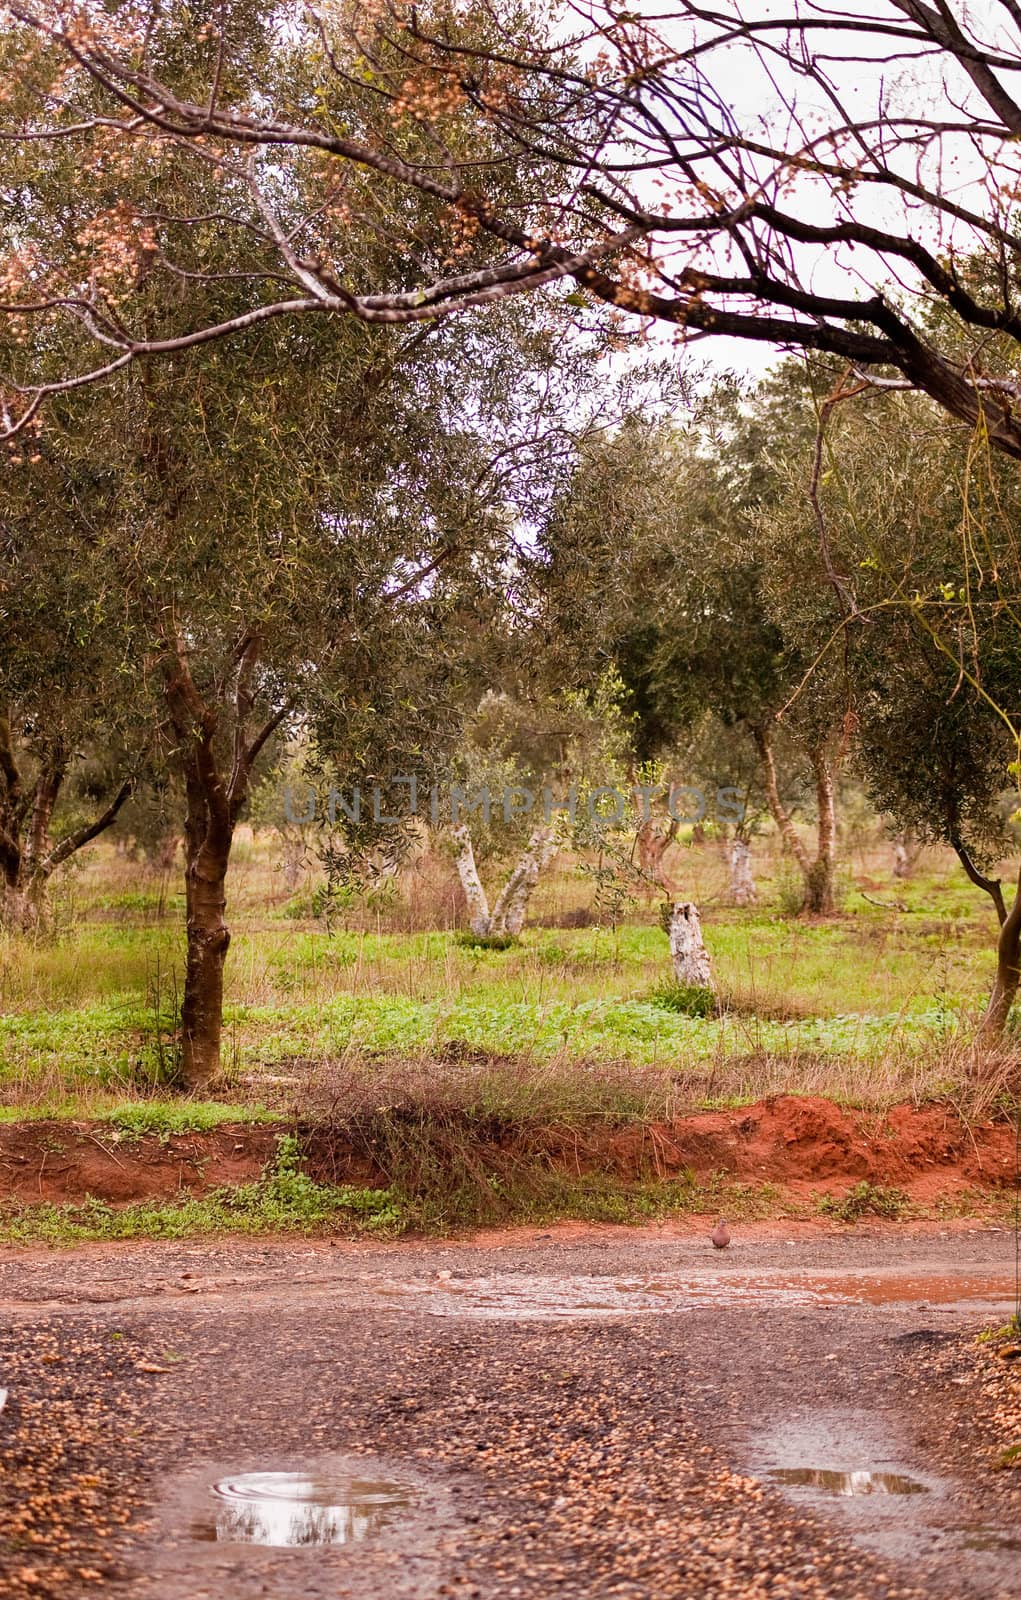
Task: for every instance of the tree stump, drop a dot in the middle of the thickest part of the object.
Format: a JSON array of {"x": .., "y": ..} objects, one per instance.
[{"x": 688, "y": 953}]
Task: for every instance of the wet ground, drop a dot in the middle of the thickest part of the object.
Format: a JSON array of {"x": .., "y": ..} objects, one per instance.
[{"x": 585, "y": 1413}]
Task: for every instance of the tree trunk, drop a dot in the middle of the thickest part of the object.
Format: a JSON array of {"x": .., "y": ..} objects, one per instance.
[
  {"x": 818, "y": 874},
  {"x": 1008, "y": 944},
  {"x": 25, "y": 905},
  {"x": 1008, "y": 974},
  {"x": 208, "y": 938},
  {"x": 213, "y": 803},
  {"x": 688, "y": 953},
  {"x": 26, "y": 864},
  {"x": 507, "y": 917},
  {"x": 742, "y": 884},
  {"x": 782, "y": 818},
  {"x": 479, "y": 920},
  {"x": 905, "y": 854},
  {"x": 654, "y": 838},
  {"x": 819, "y": 899},
  {"x": 294, "y": 864},
  {"x": 512, "y": 905}
]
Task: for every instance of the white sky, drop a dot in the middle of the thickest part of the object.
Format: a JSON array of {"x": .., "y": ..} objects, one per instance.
[{"x": 755, "y": 94}]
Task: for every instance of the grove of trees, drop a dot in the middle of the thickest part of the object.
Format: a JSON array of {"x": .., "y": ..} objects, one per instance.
[{"x": 350, "y": 396}]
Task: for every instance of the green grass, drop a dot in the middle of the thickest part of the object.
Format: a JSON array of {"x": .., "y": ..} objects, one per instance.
[
  {"x": 118, "y": 1044},
  {"x": 133, "y": 1118},
  {"x": 227, "y": 1211},
  {"x": 868, "y": 1006},
  {"x": 165, "y": 1118}
]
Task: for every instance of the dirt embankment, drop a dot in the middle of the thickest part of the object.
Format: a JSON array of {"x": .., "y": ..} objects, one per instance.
[
  {"x": 801, "y": 1144},
  {"x": 807, "y": 1143}
]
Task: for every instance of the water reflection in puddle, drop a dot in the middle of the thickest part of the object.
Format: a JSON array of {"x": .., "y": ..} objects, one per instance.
[
  {"x": 848, "y": 1483},
  {"x": 292, "y": 1508}
]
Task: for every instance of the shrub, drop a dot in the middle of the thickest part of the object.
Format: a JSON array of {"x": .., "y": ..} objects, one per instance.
[
  {"x": 865, "y": 1199},
  {"x": 685, "y": 998}
]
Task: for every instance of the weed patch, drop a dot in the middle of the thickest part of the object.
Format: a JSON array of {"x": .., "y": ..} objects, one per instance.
[
  {"x": 449, "y": 1168},
  {"x": 686, "y": 998},
  {"x": 165, "y": 1118},
  {"x": 864, "y": 1200},
  {"x": 487, "y": 941}
]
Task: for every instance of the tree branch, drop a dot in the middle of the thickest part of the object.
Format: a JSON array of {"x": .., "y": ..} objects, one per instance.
[
  {"x": 992, "y": 886},
  {"x": 89, "y": 831}
]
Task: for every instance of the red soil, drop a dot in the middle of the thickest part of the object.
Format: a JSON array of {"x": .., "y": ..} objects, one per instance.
[
  {"x": 801, "y": 1144},
  {"x": 61, "y": 1161},
  {"x": 807, "y": 1142}
]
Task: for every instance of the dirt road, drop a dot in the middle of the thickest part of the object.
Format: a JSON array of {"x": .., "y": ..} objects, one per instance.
[{"x": 583, "y": 1414}]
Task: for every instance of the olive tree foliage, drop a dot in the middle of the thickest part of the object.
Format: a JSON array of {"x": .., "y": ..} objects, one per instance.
[
  {"x": 73, "y": 729},
  {"x": 688, "y": 167},
  {"x": 283, "y": 525},
  {"x": 708, "y": 612},
  {"x": 919, "y": 518},
  {"x": 536, "y": 774}
]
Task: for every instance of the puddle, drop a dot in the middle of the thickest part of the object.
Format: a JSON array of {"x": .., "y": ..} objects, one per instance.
[
  {"x": 521, "y": 1295},
  {"x": 295, "y": 1508},
  {"x": 990, "y": 1539},
  {"x": 892, "y": 1507},
  {"x": 951, "y": 1291},
  {"x": 868, "y": 1485},
  {"x": 860, "y": 1481}
]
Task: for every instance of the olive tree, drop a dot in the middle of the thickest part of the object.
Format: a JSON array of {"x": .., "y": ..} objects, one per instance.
[
  {"x": 281, "y": 522},
  {"x": 919, "y": 523},
  {"x": 706, "y": 611},
  {"x": 265, "y": 528}
]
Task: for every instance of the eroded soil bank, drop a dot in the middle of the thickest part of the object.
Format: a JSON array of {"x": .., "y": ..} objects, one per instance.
[{"x": 804, "y": 1145}]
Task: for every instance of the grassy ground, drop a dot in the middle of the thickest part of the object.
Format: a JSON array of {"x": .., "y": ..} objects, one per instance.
[
  {"x": 868, "y": 1006},
  {"x": 388, "y": 1013}
]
